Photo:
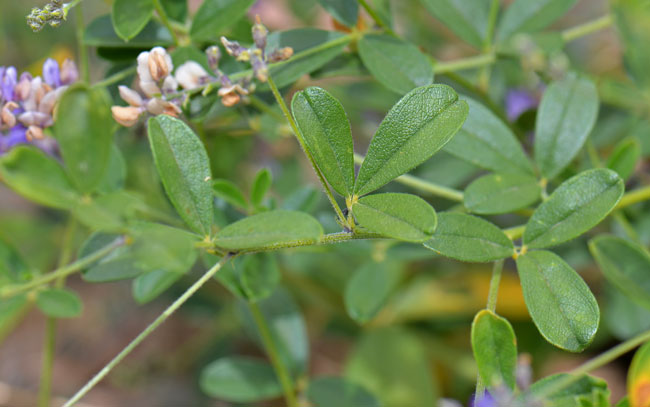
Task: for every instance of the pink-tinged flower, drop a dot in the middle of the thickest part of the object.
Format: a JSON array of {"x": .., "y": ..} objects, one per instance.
[
  {"x": 69, "y": 72},
  {"x": 153, "y": 68},
  {"x": 191, "y": 75},
  {"x": 127, "y": 116}
]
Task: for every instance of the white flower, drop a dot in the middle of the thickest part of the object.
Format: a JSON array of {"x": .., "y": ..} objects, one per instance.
[
  {"x": 191, "y": 75},
  {"x": 153, "y": 67}
]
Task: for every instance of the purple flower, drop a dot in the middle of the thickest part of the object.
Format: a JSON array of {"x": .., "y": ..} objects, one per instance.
[
  {"x": 51, "y": 73},
  {"x": 486, "y": 401},
  {"x": 16, "y": 135},
  {"x": 8, "y": 80},
  {"x": 517, "y": 102}
]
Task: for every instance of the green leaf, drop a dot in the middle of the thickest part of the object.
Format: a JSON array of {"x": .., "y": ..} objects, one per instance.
[
  {"x": 624, "y": 157},
  {"x": 485, "y": 141},
  {"x": 637, "y": 377},
  {"x": 13, "y": 268},
  {"x": 287, "y": 328},
  {"x": 369, "y": 288},
  {"x": 501, "y": 193},
  {"x": 631, "y": 18},
  {"x": 229, "y": 192},
  {"x": 84, "y": 131},
  {"x": 576, "y": 206},
  {"x": 396, "y": 64},
  {"x": 129, "y": 17},
  {"x": 115, "y": 174},
  {"x": 469, "y": 238},
  {"x": 558, "y": 300},
  {"x": 38, "y": 177},
  {"x": 531, "y": 15},
  {"x": 175, "y": 9},
  {"x": 118, "y": 265},
  {"x": 59, "y": 303},
  {"x": 240, "y": 379},
  {"x": 393, "y": 365},
  {"x": 625, "y": 264},
  {"x": 269, "y": 229},
  {"x": 419, "y": 125},
  {"x": 184, "y": 168},
  {"x": 467, "y": 19},
  {"x": 495, "y": 349},
  {"x": 339, "y": 392},
  {"x": 587, "y": 391},
  {"x": 253, "y": 277},
  {"x": 108, "y": 212},
  {"x": 400, "y": 216},
  {"x": 326, "y": 130},
  {"x": 345, "y": 11},
  {"x": 623, "y": 317},
  {"x": 215, "y": 15},
  {"x": 12, "y": 311},
  {"x": 565, "y": 117},
  {"x": 100, "y": 33},
  {"x": 261, "y": 186},
  {"x": 304, "y": 42},
  {"x": 150, "y": 285}
]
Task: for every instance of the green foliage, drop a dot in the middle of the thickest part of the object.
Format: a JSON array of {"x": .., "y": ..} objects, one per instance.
[
  {"x": 565, "y": 118},
  {"x": 396, "y": 64},
  {"x": 531, "y": 15},
  {"x": 345, "y": 11},
  {"x": 129, "y": 17},
  {"x": 468, "y": 20},
  {"x": 239, "y": 379},
  {"x": 625, "y": 264},
  {"x": 336, "y": 391},
  {"x": 253, "y": 277},
  {"x": 229, "y": 192},
  {"x": 419, "y": 125},
  {"x": 576, "y": 206},
  {"x": 269, "y": 229},
  {"x": 501, "y": 193},
  {"x": 400, "y": 216},
  {"x": 469, "y": 238},
  {"x": 367, "y": 291},
  {"x": 495, "y": 349},
  {"x": 260, "y": 187},
  {"x": 326, "y": 130},
  {"x": 184, "y": 168},
  {"x": 587, "y": 391},
  {"x": 100, "y": 33},
  {"x": 59, "y": 303},
  {"x": 637, "y": 376},
  {"x": 215, "y": 15},
  {"x": 558, "y": 300},
  {"x": 625, "y": 156}
]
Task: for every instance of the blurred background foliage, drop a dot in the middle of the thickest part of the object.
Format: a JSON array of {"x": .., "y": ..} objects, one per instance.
[{"x": 417, "y": 346}]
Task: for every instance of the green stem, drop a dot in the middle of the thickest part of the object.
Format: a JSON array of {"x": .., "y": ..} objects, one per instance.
[
  {"x": 116, "y": 77},
  {"x": 493, "y": 294},
  {"x": 260, "y": 105},
  {"x": 81, "y": 47},
  {"x": 280, "y": 369},
  {"x": 484, "y": 77},
  {"x": 515, "y": 232},
  {"x": 163, "y": 18},
  {"x": 303, "y": 145},
  {"x": 148, "y": 330},
  {"x": 376, "y": 18},
  {"x": 587, "y": 28},
  {"x": 11, "y": 290},
  {"x": 331, "y": 238},
  {"x": 49, "y": 344},
  {"x": 464, "y": 63},
  {"x": 636, "y": 196},
  {"x": 422, "y": 185},
  {"x": 600, "y": 360}
]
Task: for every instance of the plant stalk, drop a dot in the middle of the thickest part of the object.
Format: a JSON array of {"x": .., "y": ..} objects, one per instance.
[{"x": 165, "y": 20}]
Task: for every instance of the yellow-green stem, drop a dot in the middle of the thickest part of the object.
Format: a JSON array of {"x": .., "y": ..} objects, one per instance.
[{"x": 587, "y": 28}]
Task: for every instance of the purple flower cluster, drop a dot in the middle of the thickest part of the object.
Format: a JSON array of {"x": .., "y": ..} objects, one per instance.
[{"x": 27, "y": 103}]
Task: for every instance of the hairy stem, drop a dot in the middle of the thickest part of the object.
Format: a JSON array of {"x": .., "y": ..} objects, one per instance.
[
  {"x": 147, "y": 331},
  {"x": 11, "y": 290},
  {"x": 303, "y": 145},
  {"x": 281, "y": 371},
  {"x": 165, "y": 20}
]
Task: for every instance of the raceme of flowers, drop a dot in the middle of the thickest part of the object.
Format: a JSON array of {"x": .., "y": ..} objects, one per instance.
[
  {"x": 158, "y": 88},
  {"x": 27, "y": 103}
]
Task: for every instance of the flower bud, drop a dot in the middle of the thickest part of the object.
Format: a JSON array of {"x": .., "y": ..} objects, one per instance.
[
  {"x": 69, "y": 72},
  {"x": 281, "y": 54},
  {"x": 260, "y": 69},
  {"x": 235, "y": 50},
  {"x": 159, "y": 63},
  {"x": 7, "y": 115},
  {"x": 169, "y": 85},
  {"x": 34, "y": 133},
  {"x": 191, "y": 75},
  {"x": 126, "y": 116},
  {"x": 130, "y": 96},
  {"x": 35, "y": 118},
  {"x": 259, "y": 34},
  {"x": 24, "y": 87},
  {"x": 214, "y": 55},
  {"x": 51, "y": 73},
  {"x": 160, "y": 106}
]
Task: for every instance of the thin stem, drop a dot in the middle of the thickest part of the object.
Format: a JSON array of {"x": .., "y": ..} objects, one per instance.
[
  {"x": 11, "y": 290},
  {"x": 116, "y": 77},
  {"x": 587, "y": 28},
  {"x": 464, "y": 63},
  {"x": 81, "y": 47},
  {"x": 163, "y": 18},
  {"x": 376, "y": 18},
  {"x": 484, "y": 77},
  {"x": 600, "y": 360},
  {"x": 422, "y": 185},
  {"x": 301, "y": 141},
  {"x": 148, "y": 330},
  {"x": 636, "y": 196},
  {"x": 260, "y": 105},
  {"x": 331, "y": 238},
  {"x": 515, "y": 232},
  {"x": 493, "y": 294},
  {"x": 49, "y": 344},
  {"x": 280, "y": 369}
]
